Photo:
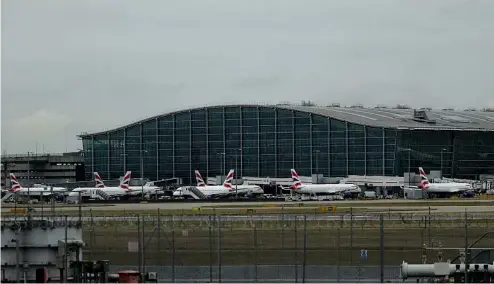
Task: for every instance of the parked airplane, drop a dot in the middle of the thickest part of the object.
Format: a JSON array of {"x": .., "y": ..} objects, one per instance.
[
  {"x": 240, "y": 189},
  {"x": 100, "y": 192},
  {"x": 320, "y": 189},
  {"x": 199, "y": 192},
  {"x": 148, "y": 188},
  {"x": 38, "y": 190},
  {"x": 441, "y": 188}
]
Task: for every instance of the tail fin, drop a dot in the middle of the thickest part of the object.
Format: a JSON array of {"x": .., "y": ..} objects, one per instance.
[
  {"x": 125, "y": 183},
  {"x": 99, "y": 181},
  {"x": 424, "y": 181},
  {"x": 296, "y": 180},
  {"x": 14, "y": 184},
  {"x": 228, "y": 180},
  {"x": 200, "y": 181}
]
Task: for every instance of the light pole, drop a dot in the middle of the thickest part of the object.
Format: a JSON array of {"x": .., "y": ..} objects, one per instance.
[
  {"x": 316, "y": 152},
  {"x": 221, "y": 165},
  {"x": 142, "y": 173},
  {"x": 442, "y": 150},
  {"x": 409, "y": 150}
]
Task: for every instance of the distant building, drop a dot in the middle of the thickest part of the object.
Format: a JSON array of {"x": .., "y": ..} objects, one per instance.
[
  {"x": 43, "y": 168},
  {"x": 269, "y": 140}
]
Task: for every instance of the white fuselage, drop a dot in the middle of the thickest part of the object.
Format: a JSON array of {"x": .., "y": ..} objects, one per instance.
[
  {"x": 448, "y": 187},
  {"x": 326, "y": 188},
  {"x": 38, "y": 191},
  {"x": 247, "y": 189},
  {"x": 90, "y": 192},
  {"x": 210, "y": 191}
]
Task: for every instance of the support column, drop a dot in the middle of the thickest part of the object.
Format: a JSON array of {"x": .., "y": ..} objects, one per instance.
[
  {"x": 108, "y": 165},
  {"x": 346, "y": 146},
  {"x": 207, "y": 142},
  {"x": 365, "y": 150},
  {"x": 125, "y": 150},
  {"x": 384, "y": 152},
  {"x": 241, "y": 134},
  {"x": 141, "y": 150},
  {"x": 293, "y": 139},
  {"x": 157, "y": 150},
  {"x": 191, "y": 176},
  {"x": 173, "y": 144},
  {"x": 92, "y": 155},
  {"x": 453, "y": 156},
  {"x": 258, "y": 146},
  {"x": 311, "y": 148},
  {"x": 329, "y": 147},
  {"x": 224, "y": 143},
  {"x": 275, "y": 142}
]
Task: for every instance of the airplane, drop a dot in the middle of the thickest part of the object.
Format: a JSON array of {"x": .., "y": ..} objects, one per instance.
[
  {"x": 226, "y": 189},
  {"x": 320, "y": 189},
  {"x": 100, "y": 190},
  {"x": 148, "y": 188},
  {"x": 241, "y": 189},
  {"x": 39, "y": 190},
  {"x": 441, "y": 188}
]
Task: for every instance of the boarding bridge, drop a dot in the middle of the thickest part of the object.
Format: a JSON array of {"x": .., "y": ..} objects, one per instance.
[{"x": 195, "y": 193}]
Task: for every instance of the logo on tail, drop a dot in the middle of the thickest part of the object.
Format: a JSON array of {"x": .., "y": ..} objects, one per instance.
[
  {"x": 15, "y": 186},
  {"x": 200, "y": 181},
  {"x": 125, "y": 183},
  {"x": 296, "y": 180},
  {"x": 99, "y": 181},
  {"x": 424, "y": 182},
  {"x": 228, "y": 180}
]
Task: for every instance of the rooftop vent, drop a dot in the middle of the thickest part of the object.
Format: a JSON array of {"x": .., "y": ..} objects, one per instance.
[{"x": 421, "y": 116}]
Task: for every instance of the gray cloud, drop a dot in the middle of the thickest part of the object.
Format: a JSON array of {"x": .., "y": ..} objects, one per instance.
[{"x": 75, "y": 66}]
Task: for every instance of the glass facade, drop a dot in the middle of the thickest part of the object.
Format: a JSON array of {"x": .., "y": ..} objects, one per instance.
[{"x": 269, "y": 141}]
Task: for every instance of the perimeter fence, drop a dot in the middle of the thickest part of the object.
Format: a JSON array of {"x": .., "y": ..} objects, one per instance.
[{"x": 351, "y": 247}]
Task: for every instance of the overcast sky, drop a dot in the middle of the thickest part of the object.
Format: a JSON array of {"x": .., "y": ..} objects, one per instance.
[{"x": 81, "y": 66}]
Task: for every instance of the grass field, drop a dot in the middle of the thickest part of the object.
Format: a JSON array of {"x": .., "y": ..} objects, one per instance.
[{"x": 276, "y": 242}]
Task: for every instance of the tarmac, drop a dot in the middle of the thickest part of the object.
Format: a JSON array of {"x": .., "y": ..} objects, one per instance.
[
  {"x": 488, "y": 207},
  {"x": 410, "y": 206}
]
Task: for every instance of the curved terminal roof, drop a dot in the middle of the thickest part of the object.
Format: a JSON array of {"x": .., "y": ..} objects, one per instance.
[{"x": 375, "y": 117}]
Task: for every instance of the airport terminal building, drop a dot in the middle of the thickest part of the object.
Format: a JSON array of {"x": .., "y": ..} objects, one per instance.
[{"x": 269, "y": 140}]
